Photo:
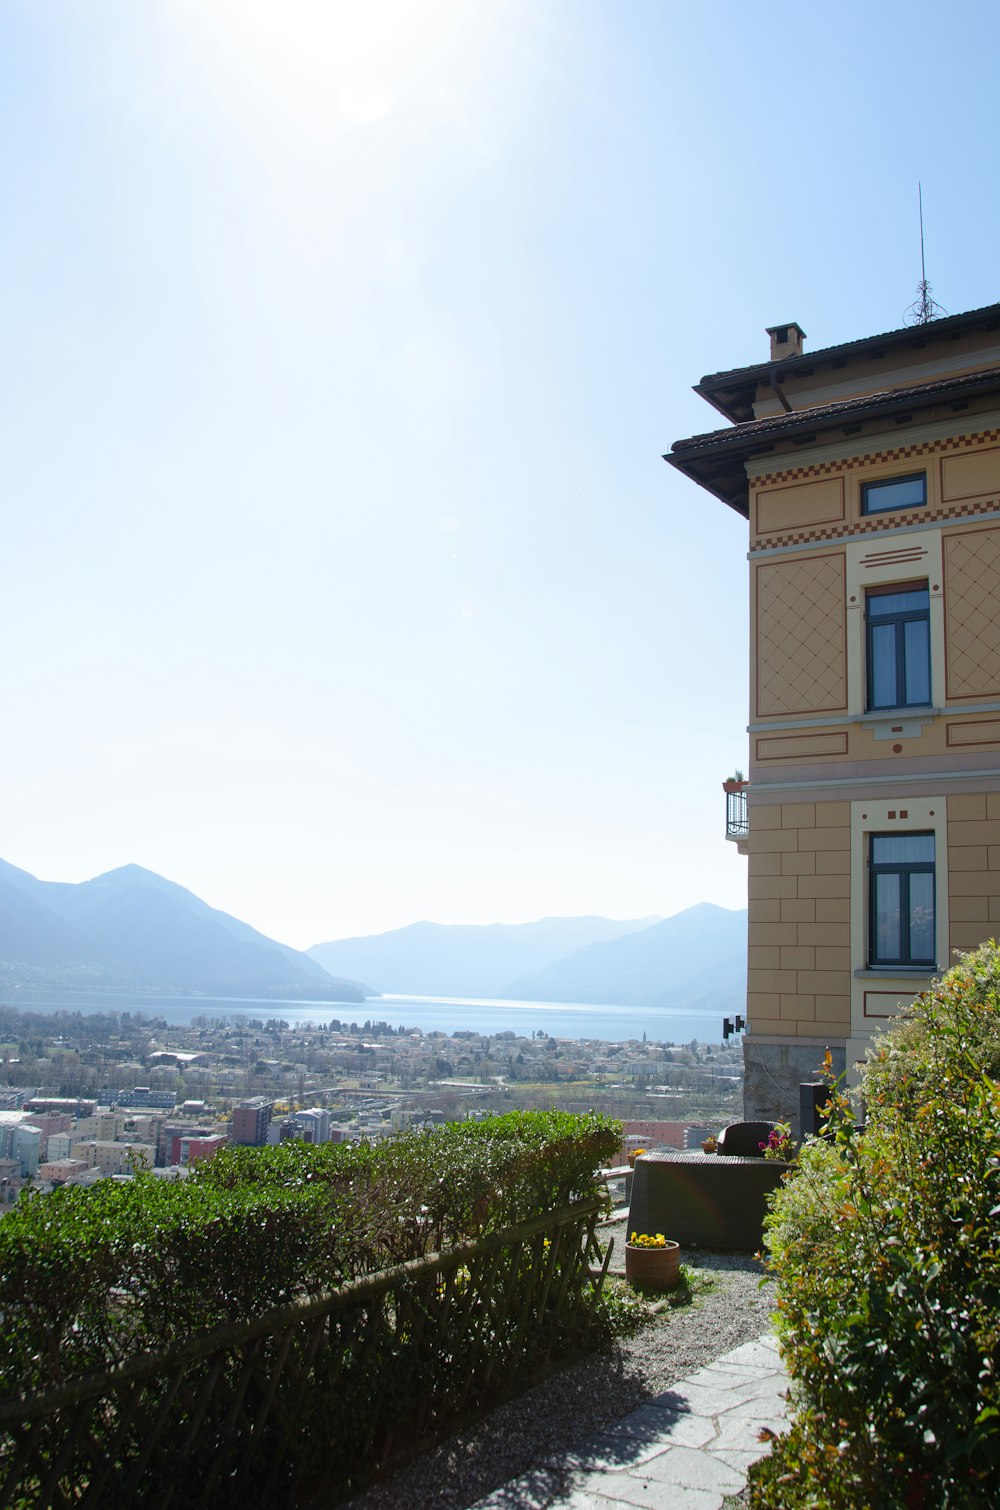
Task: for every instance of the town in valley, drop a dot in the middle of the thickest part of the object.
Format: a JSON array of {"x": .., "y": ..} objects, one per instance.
[{"x": 85, "y": 1097}]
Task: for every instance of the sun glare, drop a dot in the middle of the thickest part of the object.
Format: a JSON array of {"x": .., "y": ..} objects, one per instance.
[{"x": 360, "y": 57}]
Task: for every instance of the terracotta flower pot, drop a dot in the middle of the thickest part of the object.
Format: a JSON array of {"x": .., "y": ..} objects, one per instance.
[{"x": 657, "y": 1268}]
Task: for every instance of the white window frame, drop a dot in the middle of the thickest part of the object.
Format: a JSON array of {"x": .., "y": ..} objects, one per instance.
[
  {"x": 877, "y": 992},
  {"x": 884, "y": 563}
]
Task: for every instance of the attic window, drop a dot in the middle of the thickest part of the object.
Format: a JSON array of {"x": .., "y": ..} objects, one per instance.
[{"x": 894, "y": 493}]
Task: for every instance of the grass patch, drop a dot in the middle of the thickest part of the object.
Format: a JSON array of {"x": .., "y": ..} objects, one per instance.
[{"x": 632, "y": 1306}]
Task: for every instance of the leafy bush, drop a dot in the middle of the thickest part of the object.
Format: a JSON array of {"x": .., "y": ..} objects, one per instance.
[
  {"x": 89, "y": 1276},
  {"x": 962, "y": 1009},
  {"x": 779, "y": 1144},
  {"x": 418, "y": 1191},
  {"x": 887, "y": 1251}
]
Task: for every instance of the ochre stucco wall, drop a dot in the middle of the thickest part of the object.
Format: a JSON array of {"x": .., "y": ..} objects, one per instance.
[
  {"x": 799, "y": 960},
  {"x": 973, "y": 868}
]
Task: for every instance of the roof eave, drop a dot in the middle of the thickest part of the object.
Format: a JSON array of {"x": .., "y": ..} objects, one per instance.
[
  {"x": 737, "y": 498},
  {"x": 742, "y": 382},
  {"x": 736, "y": 411},
  {"x": 738, "y": 447}
]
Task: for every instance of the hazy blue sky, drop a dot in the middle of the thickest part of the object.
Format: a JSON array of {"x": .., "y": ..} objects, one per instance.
[{"x": 343, "y": 581}]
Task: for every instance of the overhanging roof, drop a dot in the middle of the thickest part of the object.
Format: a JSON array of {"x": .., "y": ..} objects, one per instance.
[
  {"x": 733, "y": 392},
  {"x": 717, "y": 460}
]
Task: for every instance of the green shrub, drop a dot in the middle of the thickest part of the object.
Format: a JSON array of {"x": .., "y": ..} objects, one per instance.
[
  {"x": 887, "y": 1252},
  {"x": 419, "y": 1192},
  {"x": 962, "y": 1009},
  {"x": 88, "y": 1276}
]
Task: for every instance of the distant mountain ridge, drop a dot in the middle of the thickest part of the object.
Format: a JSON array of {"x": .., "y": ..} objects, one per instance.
[
  {"x": 466, "y": 959},
  {"x": 696, "y": 959},
  {"x": 132, "y": 930}
]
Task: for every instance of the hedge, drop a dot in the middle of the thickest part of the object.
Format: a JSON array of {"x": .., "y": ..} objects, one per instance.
[{"x": 89, "y": 1277}]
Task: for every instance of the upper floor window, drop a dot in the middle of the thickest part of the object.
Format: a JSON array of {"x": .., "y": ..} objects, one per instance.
[
  {"x": 901, "y": 897},
  {"x": 898, "y": 646},
  {"x": 894, "y": 493}
]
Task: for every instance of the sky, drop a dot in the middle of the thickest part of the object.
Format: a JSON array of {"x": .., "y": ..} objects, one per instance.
[{"x": 343, "y": 581}]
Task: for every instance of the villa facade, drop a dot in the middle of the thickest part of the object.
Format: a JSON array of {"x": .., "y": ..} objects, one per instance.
[{"x": 869, "y": 474}]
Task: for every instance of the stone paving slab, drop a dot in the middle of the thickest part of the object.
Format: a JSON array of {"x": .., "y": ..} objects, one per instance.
[
  {"x": 742, "y": 1433},
  {"x": 691, "y": 1468},
  {"x": 745, "y": 1370},
  {"x": 700, "y": 1401},
  {"x": 763, "y": 1352},
  {"x": 684, "y": 1450},
  {"x": 643, "y": 1496},
  {"x": 644, "y": 1430},
  {"x": 714, "y": 1377}
]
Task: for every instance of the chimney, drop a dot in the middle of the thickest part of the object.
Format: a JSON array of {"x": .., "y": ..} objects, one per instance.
[{"x": 786, "y": 341}]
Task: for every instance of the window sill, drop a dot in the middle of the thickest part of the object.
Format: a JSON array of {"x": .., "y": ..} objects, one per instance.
[
  {"x": 896, "y": 972},
  {"x": 901, "y": 723},
  {"x": 912, "y": 710}
]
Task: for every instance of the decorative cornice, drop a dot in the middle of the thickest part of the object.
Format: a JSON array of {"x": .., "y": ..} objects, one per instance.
[{"x": 875, "y": 523}]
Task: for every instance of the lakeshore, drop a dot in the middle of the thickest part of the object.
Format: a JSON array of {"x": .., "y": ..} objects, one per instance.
[{"x": 608, "y": 1023}]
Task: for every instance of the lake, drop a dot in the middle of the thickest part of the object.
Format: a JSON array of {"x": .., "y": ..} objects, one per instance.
[{"x": 444, "y": 1014}]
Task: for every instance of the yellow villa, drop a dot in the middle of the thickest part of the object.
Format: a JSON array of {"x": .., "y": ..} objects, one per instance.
[{"x": 869, "y": 474}]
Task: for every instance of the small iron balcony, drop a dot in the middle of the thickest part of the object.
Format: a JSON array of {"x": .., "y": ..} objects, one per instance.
[{"x": 737, "y": 822}]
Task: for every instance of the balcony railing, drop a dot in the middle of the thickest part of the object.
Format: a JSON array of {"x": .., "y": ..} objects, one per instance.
[{"x": 737, "y": 822}]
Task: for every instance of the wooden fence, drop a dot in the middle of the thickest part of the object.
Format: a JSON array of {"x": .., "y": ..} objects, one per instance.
[{"x": 310, "y": 1400}]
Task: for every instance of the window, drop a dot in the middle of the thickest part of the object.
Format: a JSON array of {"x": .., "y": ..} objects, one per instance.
[
  {"x": 894, "y": 493},
  {"x": 898, "y": 646},
  {"x": 901, "y": 928}
]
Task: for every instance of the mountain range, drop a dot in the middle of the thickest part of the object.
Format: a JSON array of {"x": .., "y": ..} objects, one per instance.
[
  {"x": 462, "y": 959},
  {"x": 695, "y": 960},
  {"x": 132, "y": 930}
]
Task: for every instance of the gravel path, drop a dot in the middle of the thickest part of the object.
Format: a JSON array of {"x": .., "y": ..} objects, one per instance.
[{"x": 587, "y": 1396}]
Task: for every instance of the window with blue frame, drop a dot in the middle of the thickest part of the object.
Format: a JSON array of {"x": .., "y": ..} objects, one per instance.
[
  {"x": 894, "y": 493},
  {"x": 901, "y": 925},
  {"x": 898, "y": 644}
]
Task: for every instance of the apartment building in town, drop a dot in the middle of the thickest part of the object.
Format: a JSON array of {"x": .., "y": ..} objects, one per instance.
[
  {"x": 250, "y": 1121},
  {"x": 869, "y": 475}
]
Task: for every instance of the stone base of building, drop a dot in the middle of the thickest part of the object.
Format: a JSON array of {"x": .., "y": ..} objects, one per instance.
[{"x": 773, "y": 1072}]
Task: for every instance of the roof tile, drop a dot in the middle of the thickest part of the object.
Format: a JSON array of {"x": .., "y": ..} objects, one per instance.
[{"x": 776, "y": 423}]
